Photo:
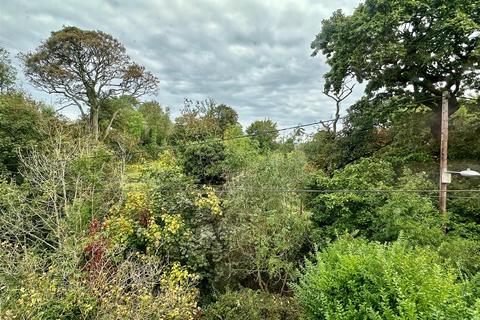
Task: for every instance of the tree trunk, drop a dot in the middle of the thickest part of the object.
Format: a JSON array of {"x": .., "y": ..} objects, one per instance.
[
  {"x": 95, "y": 124},
  {"x": 337, "y": 117},
  {"x": 94, "y": 111}
]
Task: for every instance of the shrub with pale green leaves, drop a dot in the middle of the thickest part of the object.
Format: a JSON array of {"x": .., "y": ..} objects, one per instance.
[{"x": 355, "y": 279}]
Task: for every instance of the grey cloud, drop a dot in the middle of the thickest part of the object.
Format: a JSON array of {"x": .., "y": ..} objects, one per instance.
[{"x": 252, "y": 55}]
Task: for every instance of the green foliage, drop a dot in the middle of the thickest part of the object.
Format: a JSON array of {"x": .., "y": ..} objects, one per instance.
[
  {"x": 409, "y": 213},
  {"x": 145, "y": 219},
  {"x": 35, "y": 289},
  {"x": 239, "y": 150},
  {"x": 86, "y": 67},
  {"x": 20, "y": 128},
  {"x": 157, "y": 126},
  {"x": 202, "y": 120},
  {"x": 134, "y": 288},
  {"x": 175, "y": 219},
  {"x": 137, "y": 129},
  {"x": 464, "y": 131},
  {"x": 261, "y": 250},
  {"x": 322, "y": 151},
  {"x": 7, "y": 72},
  {"x": 205, "y": 121},
  {"x": 463, "y": 254},
  {"x": 391, "y": 128},
  {"x": 265, "y": 132},
  {"x": 248, "y": 304},
  {"x": 348, "y": 200},
  {"x": 224, "y": 116},
  {"x": 390, "y": 45},
  {"x": 354, "y": 279},
  {"x": 120, "y": 114},
  {"x": 204, "y": 161},
  {"x": 67, "y": 182},
  {"x": 395, "y": 130},
  {"x": 362, "y": 197}
]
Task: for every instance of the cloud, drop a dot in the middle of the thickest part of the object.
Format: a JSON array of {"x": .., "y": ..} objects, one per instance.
[{"x": 252, "y": 55}]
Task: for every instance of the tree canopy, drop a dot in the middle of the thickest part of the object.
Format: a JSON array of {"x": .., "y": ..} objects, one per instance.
[
  {"x": 412, "y": 49},
  {"x": 7, "y": 71},
  {"x": 265, "y": 132},
  {"x": 86, "y": 67}
]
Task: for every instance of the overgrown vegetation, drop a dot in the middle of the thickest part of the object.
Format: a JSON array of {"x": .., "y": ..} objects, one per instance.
[{"x": 126, "y": 213}]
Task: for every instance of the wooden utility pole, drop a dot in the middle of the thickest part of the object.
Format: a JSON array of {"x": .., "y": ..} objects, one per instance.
[{"x": 444, "y": 176}]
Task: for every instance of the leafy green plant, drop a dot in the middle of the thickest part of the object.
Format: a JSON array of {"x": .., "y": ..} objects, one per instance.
[
  {"x": 262, "y": 250},
  {"x": 355, "y": 279},
  {"x": 370, "y": 197},
  {"x": 248, "y": 304}
]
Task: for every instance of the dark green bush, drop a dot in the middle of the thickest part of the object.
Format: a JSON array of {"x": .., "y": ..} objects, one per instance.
[{"x": 204, "y": 162}]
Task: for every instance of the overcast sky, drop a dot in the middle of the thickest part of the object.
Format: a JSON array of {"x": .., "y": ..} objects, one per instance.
[{"x": 253, "y": 55}]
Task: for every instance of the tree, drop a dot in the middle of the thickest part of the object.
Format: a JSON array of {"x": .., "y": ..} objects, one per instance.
[
  {"x": 224, "y": 116},
  {"x": 260, "y": 250},
  {"x": 86, "y": 67},
  {"x": 115, "y": 114},
  {"x": 7, "y": 72},
  {"x": 20, "y": 128},
  {"x": 415, "y": 50},
  {"x": 239, "y": 152},
  {"x": 265, "y": 132},
  {"x": 344, "y": 92},
  {"x": 203, "y": 120},
  {"x": 158, "y": 125},
  {"x": 194, "y": 123}
]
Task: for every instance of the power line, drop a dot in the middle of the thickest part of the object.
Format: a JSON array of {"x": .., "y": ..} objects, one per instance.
[
  {"x": 206, "y": 141},
  {"x": 273, "y": 190}
]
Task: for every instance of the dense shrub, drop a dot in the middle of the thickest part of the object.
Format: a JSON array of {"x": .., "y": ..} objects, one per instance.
[
  {"x": 366, "y": 197},
  {"x": 203, "y": 161},
  {"x": 20, "y": 128},
  {"x": 266, "y": 233},
  {"x": 248, "y": 304},
  {"x": 355, "y": 279},
  {"x": 239, "y": 152},
  {"x": 132, "y": 287}
]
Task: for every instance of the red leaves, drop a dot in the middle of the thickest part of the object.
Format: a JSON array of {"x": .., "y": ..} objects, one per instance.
[{"x": 96, "y": 250}]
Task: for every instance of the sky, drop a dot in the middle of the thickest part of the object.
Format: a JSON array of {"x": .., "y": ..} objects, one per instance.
[{"x": 252, "y": 55}]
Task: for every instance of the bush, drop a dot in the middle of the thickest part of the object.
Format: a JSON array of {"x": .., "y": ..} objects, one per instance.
[
  {"x": 248, "y": 304},
  {"x": 461, "y": 253},
  {"x": 20, "y": 120},
  {"x": 138, "y": 287},
  {"x": 370, "y": 203},
  {"x": 263, "y": 250},
  {"x": 354, "y": 279},
  {"x": 203, "y": 161}
]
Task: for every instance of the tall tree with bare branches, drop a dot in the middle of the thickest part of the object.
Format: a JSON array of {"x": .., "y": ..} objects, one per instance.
[{"x": 337, "y": 96}]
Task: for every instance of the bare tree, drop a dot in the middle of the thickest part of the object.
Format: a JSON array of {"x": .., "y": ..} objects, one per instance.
[
  {"x": 64, "y": 175},
  {"x": 338, "y": 97}
]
